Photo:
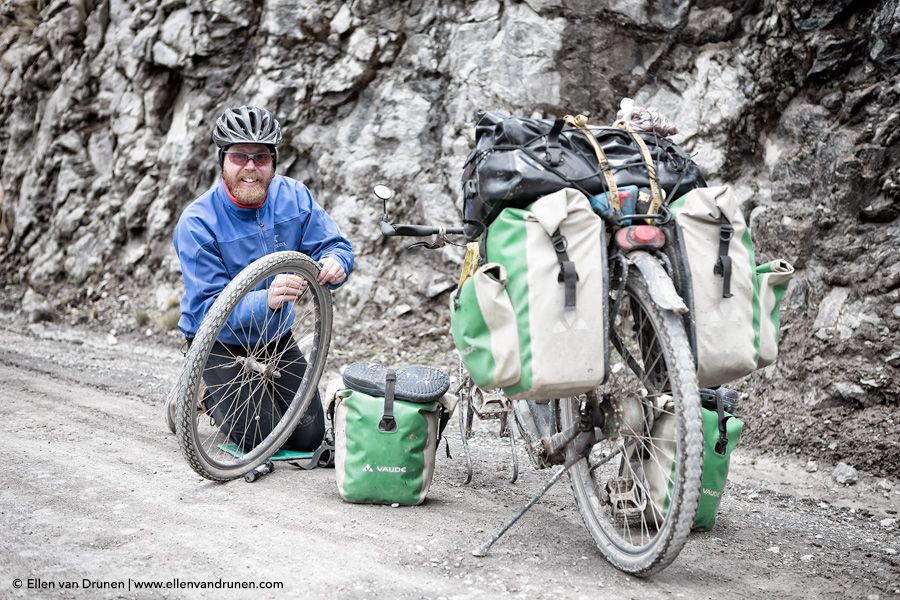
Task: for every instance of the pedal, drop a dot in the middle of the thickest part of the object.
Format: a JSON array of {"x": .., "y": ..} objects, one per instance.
[
  {"x": 627, "y": 502},
  {"x": 489, "y": 404}
]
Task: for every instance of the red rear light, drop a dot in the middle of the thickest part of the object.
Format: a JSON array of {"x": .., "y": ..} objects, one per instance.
[{"x": 641, "y": 237}]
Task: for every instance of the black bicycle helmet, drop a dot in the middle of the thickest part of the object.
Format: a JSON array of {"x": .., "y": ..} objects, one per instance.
[{"x": 247, "y": 125}]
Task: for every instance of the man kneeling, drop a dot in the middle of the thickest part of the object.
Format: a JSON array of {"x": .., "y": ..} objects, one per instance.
[{"x": 251, "y": 213}]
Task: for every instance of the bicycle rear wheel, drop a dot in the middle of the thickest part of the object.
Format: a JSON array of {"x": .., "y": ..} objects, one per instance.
[
  {"x": 260, "y": 369},
  {"x": 639, "y": 503}
]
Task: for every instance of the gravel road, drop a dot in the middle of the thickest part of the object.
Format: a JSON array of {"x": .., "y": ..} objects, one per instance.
[{"x": 96, "y": 494}]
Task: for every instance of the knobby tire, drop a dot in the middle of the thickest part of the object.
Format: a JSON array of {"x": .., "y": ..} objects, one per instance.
[{"x": 187, "y": 417}]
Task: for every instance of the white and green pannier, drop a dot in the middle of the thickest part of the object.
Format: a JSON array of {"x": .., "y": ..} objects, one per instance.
[
  {"x": 736, "y": 304},
  {"x": 386, "y": 428},
  {"x": 532, "y": 319}
]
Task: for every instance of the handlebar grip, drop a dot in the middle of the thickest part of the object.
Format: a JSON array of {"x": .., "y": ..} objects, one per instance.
[
  {"x": 406, "y": 230},
  {"x": 387, "y": 230},
  {"x": 415, "y": 230}
]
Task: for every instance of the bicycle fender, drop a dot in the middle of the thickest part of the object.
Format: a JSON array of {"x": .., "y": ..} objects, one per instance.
[{"x": 662, "y": 290}]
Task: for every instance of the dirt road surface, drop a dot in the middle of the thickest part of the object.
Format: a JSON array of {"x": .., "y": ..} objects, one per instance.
[{"x": 95, "y": 492}]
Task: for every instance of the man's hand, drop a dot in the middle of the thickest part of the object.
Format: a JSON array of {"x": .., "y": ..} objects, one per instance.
[
  {"x": 285, "y": 288},
  {"x": 331, "y": 272}
]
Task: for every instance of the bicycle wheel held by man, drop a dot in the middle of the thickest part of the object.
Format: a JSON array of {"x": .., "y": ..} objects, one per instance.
[{"x": 258, "y": 257}]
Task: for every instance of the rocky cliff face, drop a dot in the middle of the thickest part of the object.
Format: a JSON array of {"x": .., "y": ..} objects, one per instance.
[{"x": 107, "y": 106}]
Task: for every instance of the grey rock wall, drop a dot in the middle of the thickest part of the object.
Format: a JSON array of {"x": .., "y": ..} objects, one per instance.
[{"x": 105, "y": 112}]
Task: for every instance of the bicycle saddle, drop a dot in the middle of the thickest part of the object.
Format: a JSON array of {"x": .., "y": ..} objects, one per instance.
[{"x": 415, "y": 383}]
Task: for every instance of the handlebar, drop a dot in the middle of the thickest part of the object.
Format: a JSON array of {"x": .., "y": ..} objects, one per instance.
[{"x": 389, "y": 229}]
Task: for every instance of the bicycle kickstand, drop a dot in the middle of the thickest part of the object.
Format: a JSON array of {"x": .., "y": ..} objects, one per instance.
[
  {"x": 462, "y": 409},
  {"x": 483, "y": 550},
  {"x": 578, "y": 435},
  {"x": 515, "y": 457}
]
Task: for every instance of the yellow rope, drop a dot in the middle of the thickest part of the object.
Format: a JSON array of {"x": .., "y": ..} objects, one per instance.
[
  {"x": 470, "y": 263},
  {"x": 580, "y": 121},
  {"x": 656, "y": 196}
]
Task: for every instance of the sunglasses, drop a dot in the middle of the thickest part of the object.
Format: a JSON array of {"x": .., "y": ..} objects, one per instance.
[{"x": 242, "y": 158}]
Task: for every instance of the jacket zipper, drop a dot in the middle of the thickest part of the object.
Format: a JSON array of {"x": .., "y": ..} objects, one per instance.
[{"x": 262, "y": 234}]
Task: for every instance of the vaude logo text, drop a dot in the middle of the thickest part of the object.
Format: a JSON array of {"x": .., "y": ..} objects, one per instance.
[
  {"x": 391, "y": 469},
  {"x": 713, "y": 493},
  {"x": 383, "y": 469}
]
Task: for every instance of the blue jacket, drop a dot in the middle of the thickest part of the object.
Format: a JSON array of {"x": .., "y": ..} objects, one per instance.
[{"x": 215, "y": 239}]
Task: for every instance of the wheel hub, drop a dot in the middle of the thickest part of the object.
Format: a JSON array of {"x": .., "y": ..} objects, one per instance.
[{"x": 265, "y": 370}]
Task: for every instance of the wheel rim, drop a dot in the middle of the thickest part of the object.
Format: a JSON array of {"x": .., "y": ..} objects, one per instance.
[
  {"x": 255, "y": 392},
  {"x": 630, "y": 519}
]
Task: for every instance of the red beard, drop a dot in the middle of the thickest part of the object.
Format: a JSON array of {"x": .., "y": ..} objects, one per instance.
[{"x": 248, "y": 194}]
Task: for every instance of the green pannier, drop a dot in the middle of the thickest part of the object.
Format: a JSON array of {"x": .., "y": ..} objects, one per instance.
[
  {"x": 736, "y": 304},
  {"x": 717, "y": 451},
  {"x": 385, "y": 445},
  {"x": 658, "y": 465},
  {"x": 532, "y": 320}
]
